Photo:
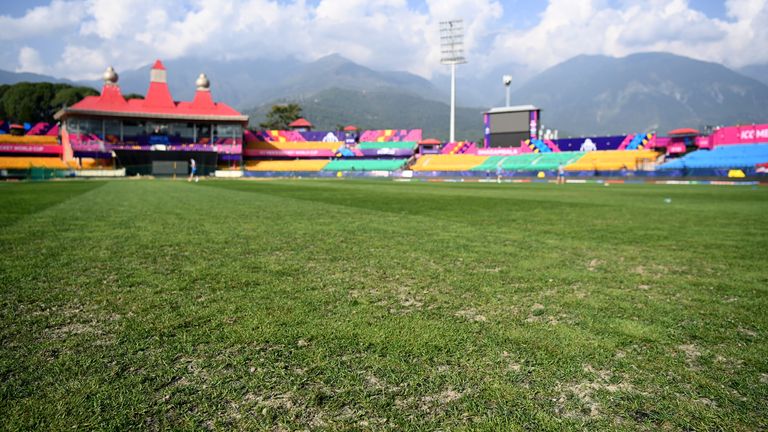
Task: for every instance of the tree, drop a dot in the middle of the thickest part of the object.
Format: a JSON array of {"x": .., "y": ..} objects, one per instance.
[
  {"x": 280, "y": 116},
  {"x": 29, "y": 102},
  {"x": 69, "y": 96},
  {"x": 3, "y": 88},
  {"x": 133, "y": 96},
  {"x": 35, "y": 102}
]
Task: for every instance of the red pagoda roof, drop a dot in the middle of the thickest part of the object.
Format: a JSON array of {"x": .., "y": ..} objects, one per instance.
[
  {"x": 302, "y": 122},
  {"x": 157, "y": 104}
]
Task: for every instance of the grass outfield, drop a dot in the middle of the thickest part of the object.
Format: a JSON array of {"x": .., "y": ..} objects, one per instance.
[{"x": 348, "y": 305}]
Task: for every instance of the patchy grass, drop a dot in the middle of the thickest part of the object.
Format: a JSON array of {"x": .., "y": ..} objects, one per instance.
[{"x": 349, "y": 305}]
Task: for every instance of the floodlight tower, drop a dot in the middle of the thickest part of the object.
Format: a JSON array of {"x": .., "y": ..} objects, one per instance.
[
  {"x": 452, "y": 50},
  {"x": 507, "y": 81}
]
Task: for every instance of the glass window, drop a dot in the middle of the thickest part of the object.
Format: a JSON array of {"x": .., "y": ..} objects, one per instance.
[
  {"x": 134, "y": 132},
  {"x": 157, "y": 128},
  {"x": 183, "y": 132},
  {"x": 227, "y": 133},
  {"x": 204, "y": 133},
  {"x": 89, "y": 126},
  {"x": 112, "y": 131}
]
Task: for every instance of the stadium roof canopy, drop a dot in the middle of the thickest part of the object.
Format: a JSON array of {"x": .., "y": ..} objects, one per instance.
[
  {"x": 509, "y": 109},
  {"x": 158, "y": 102},
  {"x": 430, "y": 141},
  {"x": 683, "y": 131}
]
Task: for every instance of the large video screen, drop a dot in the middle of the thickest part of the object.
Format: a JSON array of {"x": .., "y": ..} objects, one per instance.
[
  {"x": 508, "y": 139},
  {"x": 510, "y": 122}
]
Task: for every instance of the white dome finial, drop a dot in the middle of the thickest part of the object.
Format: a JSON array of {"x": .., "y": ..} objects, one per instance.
[
  {"x": 110, "y": 76},
  {"x": 202, "y": 82}
]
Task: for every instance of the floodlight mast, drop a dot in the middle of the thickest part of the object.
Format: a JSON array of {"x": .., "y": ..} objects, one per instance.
[
  {"x": 452, "y": 53},
  {"x": 507, "y": 79}
]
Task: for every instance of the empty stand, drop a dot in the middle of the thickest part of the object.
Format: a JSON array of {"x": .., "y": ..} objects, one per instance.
[
  {"x": 23, "y": 163},
  {"x": 727, "y": 156},
  {"x": 365, "y": 165},
  {"x": 387, "y": 145},
  {"x": 448, "y": 162},
  {"x": 294, "y": 145},
  {"x": 520, "y": 162},
  {"x": 612, "y": 160},
  {"x": 529, "y": 161},
  {"x": 290, "y": 165},
  {"x": 551, "y": 161},
  {"x": 29, "y": 139}
]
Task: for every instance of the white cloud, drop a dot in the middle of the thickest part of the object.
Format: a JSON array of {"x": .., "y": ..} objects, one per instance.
[
  {"x": 384, "y": 34},
  {"x": 30, "y": 61},
  {"x": 568, "y": 28},
  {"x": 111, "y": 19},
  {"x": 79, "y": 62},
  {"x": 59, "y": 16}
]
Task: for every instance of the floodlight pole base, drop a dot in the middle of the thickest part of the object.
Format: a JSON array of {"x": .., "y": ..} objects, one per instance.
[{"x": 453, "y": 103}]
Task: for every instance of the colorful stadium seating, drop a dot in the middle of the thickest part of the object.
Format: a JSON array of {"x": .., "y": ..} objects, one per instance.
[
  {"x": 612, "y": 160},
  {"x": 390, "y": 135},
  {"x": 294, "y": 145},
  {"x": 724, "y": 156},
  {"x": 365, "y": 165},
  {"x": 29, "y": 139},
  {"x": 23, "y": 163},
  {"x": 529, "y": 161},
  {"x": 551, "y": 161},
  {"x": 286, "y": 165},
  {"x": 448, "y": 162},
  {"x": 461, "y": 147},
  {"x": 387, "y": 145}
]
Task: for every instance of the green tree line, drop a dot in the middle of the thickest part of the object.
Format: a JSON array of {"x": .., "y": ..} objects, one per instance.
[
  {"x": 280, "y": 116},
  {"x": 36, "y": 102}
]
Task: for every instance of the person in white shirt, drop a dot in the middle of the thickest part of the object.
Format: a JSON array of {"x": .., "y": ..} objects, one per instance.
[{"x": 193, "y": 170}]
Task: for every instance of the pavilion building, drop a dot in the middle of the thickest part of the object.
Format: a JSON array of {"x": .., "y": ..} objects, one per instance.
[{"x": 155, "y": 135}]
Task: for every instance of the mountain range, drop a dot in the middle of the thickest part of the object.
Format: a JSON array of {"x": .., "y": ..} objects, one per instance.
[
  {"x": 586, "y": 95},
  {"x": 641, "y": 93}
]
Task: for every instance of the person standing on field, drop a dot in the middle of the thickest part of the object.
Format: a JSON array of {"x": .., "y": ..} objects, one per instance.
[
  {"x": 560, "y": 173},
  {"x": 193, "y": 170}
]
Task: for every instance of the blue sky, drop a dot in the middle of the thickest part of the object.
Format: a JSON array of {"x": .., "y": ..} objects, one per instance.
[{"x": 79, "y": 38}]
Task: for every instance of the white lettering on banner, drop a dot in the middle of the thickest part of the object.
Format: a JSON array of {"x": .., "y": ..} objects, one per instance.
[{"x": 752, "y": 134}]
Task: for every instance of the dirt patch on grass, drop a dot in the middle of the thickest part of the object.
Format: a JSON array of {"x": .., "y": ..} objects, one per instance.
[
  {"x": 73, "y": 329},
  {"x": 579, "y": 400},
  {"x": 280, "y": 401},
  {"x": 379, "y": 385},
  {"x": 431, "y": 405},
  {"x": 594, "y": 264},
  {"x": 471, "y": 315},
  {"x": 654, "y": 271},
  {"x": 692, "y": 355},
  {"x": 538, "y": 314},
  {"x": 407, "y": 304},
  {"x": 747, "y": 332},
  {"x": 91, "y": 329}
]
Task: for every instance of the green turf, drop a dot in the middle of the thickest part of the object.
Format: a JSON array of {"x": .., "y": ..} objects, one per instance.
[{"x": 364, "y": 305}]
